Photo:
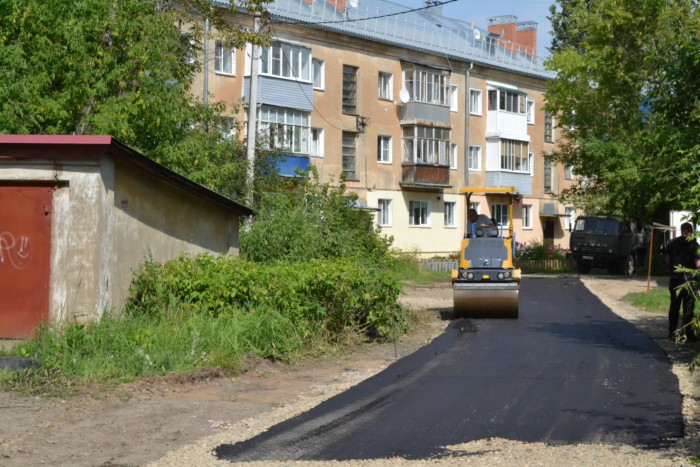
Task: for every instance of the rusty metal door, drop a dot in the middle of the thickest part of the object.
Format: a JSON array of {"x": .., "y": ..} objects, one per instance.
[{"x": 25, "y": 254}]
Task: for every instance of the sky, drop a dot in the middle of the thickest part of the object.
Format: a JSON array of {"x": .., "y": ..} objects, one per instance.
[{"x": 481, "y": 10}]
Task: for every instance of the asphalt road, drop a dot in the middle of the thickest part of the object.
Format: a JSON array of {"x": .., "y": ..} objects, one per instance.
[{"x": 567, "y": 371}]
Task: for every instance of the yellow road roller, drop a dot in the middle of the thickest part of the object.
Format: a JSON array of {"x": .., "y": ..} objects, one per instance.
[{"x": 486, "y": 282}]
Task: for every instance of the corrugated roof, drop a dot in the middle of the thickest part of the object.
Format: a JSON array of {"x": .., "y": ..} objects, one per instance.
[
  {"x": 424, "y": 30},
  {"x": 94, "y": 147}
]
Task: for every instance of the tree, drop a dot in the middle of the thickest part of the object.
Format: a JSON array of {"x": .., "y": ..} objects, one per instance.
[
  {"x": 313, "y": 220},
  {"x": 123, "y": 68},
  {"x": 626, "y": 101}
]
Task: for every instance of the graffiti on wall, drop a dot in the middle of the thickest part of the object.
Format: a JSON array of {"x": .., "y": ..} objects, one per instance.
[{"x": 15, "y": 251}]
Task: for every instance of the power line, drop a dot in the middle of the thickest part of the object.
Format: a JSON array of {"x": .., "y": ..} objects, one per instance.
[{"x": 354, "y": 20}]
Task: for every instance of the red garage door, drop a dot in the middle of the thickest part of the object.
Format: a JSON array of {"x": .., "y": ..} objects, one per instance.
[{"x": 25, "y": 254}]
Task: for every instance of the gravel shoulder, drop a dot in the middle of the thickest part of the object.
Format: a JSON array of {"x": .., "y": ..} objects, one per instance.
[{"x": 178, "y": 420}]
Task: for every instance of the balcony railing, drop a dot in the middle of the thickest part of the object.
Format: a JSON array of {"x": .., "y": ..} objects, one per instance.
[
  {"x": 425, "y": 176},
  {"x": 288, "y": 165}
]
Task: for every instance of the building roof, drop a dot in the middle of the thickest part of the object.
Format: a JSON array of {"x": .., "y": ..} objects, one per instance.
[
  {"x": 95, "y": 147},
  {"x": 425, "y": 30}
]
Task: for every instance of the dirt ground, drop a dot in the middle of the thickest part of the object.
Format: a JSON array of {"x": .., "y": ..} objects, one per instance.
[{"x": 141, "y": 422}]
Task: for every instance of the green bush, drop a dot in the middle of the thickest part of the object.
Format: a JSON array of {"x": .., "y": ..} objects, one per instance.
[
  {"x": 334, "y": 296},
  {"x": 537, "y": 251},
  {"x": 313, "y": 221}
]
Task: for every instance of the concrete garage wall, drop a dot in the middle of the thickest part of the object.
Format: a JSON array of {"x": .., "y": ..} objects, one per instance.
[
  {"x": 112, "y": 207},
  {"x": 152, "y": 217}
]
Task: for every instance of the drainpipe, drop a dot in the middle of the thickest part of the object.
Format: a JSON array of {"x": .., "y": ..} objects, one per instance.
[
  {"x": 466, "y": 129},
  {"x": 206, "y": 62}
]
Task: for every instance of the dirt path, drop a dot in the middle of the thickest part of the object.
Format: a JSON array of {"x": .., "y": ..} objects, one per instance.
[{"x": 140, "y": 423}]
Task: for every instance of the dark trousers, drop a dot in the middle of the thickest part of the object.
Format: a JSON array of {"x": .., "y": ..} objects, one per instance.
[{"x": 680, "y": 297}]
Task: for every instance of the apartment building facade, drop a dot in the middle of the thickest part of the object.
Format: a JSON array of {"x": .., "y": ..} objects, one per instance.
[{"x": 408, "y": 107}]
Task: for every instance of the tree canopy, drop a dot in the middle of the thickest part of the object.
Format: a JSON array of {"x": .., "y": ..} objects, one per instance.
[
  {"x": 123, "y": 68},
  {"x": 627, "y": 101}
]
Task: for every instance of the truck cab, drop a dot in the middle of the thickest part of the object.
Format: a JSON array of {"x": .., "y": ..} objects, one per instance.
[{"x": 616, "y": 244}]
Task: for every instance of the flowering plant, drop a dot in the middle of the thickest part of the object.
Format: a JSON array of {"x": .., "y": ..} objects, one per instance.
[{"x": 537, "y": 251}]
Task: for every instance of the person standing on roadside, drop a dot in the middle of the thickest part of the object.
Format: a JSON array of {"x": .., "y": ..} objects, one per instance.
[{"x": 682, "y": 251}]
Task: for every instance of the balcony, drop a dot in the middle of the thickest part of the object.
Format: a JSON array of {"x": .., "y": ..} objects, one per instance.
[
  {"x": 288, "y": 165},
  {"x": 425, "y": 177}
]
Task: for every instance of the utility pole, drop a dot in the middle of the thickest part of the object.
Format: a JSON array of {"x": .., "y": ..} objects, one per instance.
[{"x": 252, "y": 114}]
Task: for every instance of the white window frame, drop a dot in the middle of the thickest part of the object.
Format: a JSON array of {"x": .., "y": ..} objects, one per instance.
[
  {"x": 384, "y": 149},
  {"x": 453, "y": 156},
  {"x": 514, "y": 156},
  {"x": 531, "y": 161},
  {"x": 426, "y": 145},
  {"x": 499, "y": 212},
  {"x": 285, "y": 129},
  {"x": 318, "y": 73},
  {"x": 286, "y": 60},
  {"x": 384, "y": 216},
  {"x": 316, "y": 142},
  {"x": 221, "y": 54},
  {"x": 454, "y": 95},
  {"x": 349, "y": 155},
  {"x": 450, "y": 218},
  {"x": 422, "y": 209},
  {"x": 530, "y": 111},
  {"x": 385, "y": 86},
  {"x": 569, "y": 219},
  {"x": 475, "y": 101},
  {"x": 568, "y": 172},
  {"x": 473, "y": 155},
  {"x": 429, "y": 86},
  {"x": 527, "y": 216}
]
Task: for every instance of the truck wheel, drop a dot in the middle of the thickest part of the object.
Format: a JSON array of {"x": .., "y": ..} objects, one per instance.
[
  {"x": 628, "y": 266},
  {"x": 583, "y": 268}
]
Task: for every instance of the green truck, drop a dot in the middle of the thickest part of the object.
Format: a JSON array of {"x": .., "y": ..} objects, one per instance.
[{"x": 620, "y": 245}]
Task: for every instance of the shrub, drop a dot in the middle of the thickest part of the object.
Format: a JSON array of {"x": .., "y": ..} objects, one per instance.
[
  {"x": 313, "y": 221},
  {"x": 537, "y": 251},
  {"x": 333, "y": 296}
]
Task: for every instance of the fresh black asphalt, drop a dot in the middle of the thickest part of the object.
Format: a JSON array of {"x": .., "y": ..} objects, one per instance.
[{"x": 567, "y": 371}]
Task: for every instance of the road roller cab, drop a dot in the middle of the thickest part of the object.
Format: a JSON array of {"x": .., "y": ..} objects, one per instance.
[{"x": 486, "y": 282}]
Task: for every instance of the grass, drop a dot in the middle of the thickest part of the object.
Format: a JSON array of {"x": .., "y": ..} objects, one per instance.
[
  {"x": 125, "y": 347},
  {"x": 409, "y": 269},
  {"x": 656, "y": 301}
]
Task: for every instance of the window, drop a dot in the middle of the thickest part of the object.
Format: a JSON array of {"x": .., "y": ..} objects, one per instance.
[
  {"x": 569, "y": 212},
  {"x": 453, "y": 157},
  {"x": 418, "y": 214},
  {"x": 515, "y": 156},
  {"x": 531, "y": 159},
  {"x": 475, "y": 101},
  {"x": 349, "y": 90},
  {"x": 386, "y": 86},
  {"x": 474, "y": 158},
  {"x": 316, "y": 145},
  {"x": 568, "y": 172},
  {"x": 286, "y": 60},
  {"x": 547, "y": 185},
  {"x": 224, "y": 59},
  {"x": 426, "y": 145},
  {"x": 531, "y": 112},
  {"x": 431, "y": 87},
  {"x": 500, "y": 214},
  {"x": 527, "y": 216},
  {"x": 318, "y": 73},
  {"x": 384, "y": 214},
  {"x": 474, "y": 206},
  {"x": 286, "y": 129},
  {"x": 349, "y": 156},
  {"x": 384, "y": 149},
  {"x": 227, "y": 126},
  {"x": 548, "y": 130},
  {"x": 507, "y": 101},
  {"x": 454, "y": 97},
  {"x": 450, "y": 214}
]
